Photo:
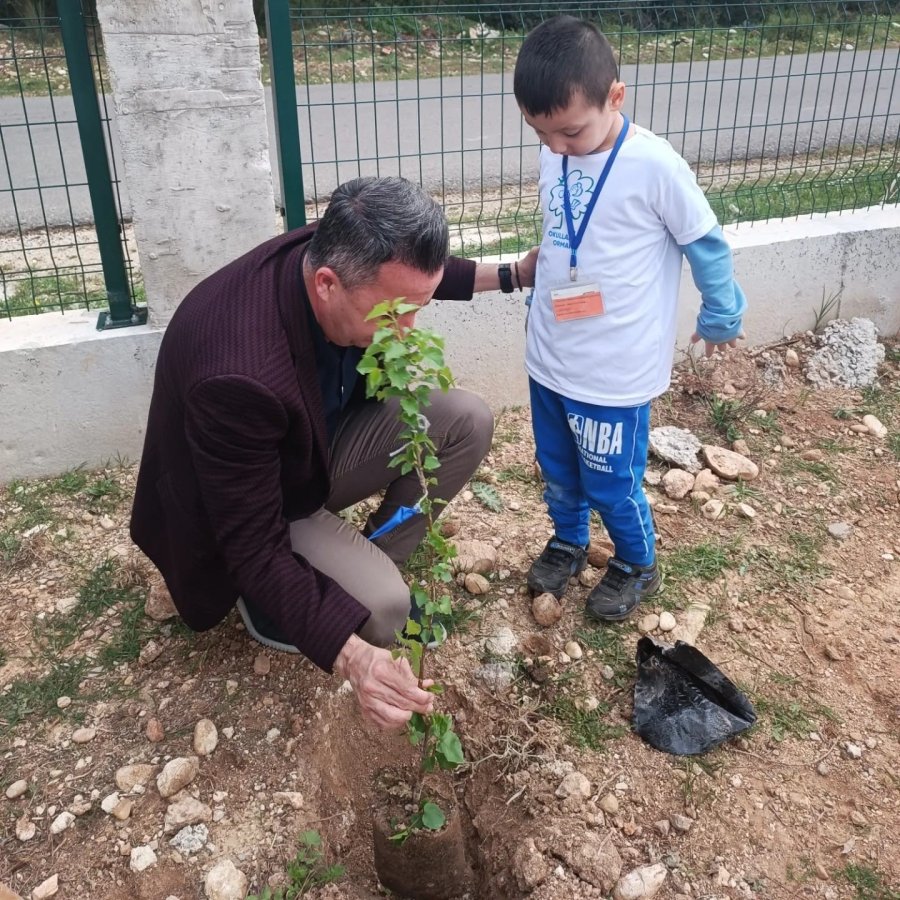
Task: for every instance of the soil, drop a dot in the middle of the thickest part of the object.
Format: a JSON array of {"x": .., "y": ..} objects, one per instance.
[{"x": 804, "y": 805}]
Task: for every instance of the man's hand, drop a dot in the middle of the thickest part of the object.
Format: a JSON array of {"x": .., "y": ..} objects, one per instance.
[
  {"x": 386, "y": 689},
  {"x": 711, "y": 347}
]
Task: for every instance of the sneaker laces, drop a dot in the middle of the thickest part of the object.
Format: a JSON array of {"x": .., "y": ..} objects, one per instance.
[
  {"x": 559, "y": 552},
  {"x": 617, "y": 574}
]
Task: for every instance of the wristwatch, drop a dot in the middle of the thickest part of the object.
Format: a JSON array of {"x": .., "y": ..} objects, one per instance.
[{"x": 505, "y": 274}]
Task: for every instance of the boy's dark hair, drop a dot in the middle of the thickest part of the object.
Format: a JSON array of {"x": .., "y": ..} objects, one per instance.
[{"x": 559, "y": 57}]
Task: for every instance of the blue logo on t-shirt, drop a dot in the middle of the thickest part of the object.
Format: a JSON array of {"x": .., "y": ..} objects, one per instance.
[{"x": 580, "y": 189}]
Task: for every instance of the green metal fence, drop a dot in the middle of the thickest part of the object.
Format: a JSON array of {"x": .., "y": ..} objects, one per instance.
[
  {"x": 782, "y": 109},
  {"x": 63, "y": 242}
]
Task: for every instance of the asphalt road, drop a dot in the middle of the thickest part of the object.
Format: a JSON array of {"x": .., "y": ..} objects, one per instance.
[{"x": 467, "y": 131}]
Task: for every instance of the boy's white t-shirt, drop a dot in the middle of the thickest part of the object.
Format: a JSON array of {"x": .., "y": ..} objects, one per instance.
[{"x": 650, "y": 204}]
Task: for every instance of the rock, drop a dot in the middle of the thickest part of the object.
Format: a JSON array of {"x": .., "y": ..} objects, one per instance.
[
  {"x": 849, "y": 355},
  {"x": 858, "y": 819},
  {"x": 293, "y": 799},
  {"x": 573, "y": 650},
  {"x": 477, "y": 557},
  {"x": 25, "y": 831},
  {"x": 648, "y": 623},
  {"x": 191, "y": 839},
  {"x": 813, "y": 455},
  {"x": 226, "y": 882},
  {"x": 546, "y": 609},
  {"x": 530, "y": 866},
  {"x": 840, "y": 531},
  {"x": 122, "y": 810},
  {"x": 741, "y": 446},
  {"x": 791, "y": 358},
  {"x": 874, "y": 425},
  {"x": 129, "y": 777},
  {"x": 641, "y": 884},
  {"x": 706, "y": 481},
  {"x": 588, "y": 577},
  {"x": 206, "y": 737},
  {"x": 598, "y": 555},
  {"x": 109, "y": 803},
  {"x": 713, "y": 509},
  {"x": 176, "y": 774},
  {"x": 502, "y": 643},
  {"x": 149, "y": 653},
  {"x": 106, "y": 523},
  {"x": 262, "y": 665},
  {"x": 653, "y": 477},
  {"x": 723, "y": 877},
  {"x": 141, "y": 858},
  {"x": 736, "y": 624},
  {"x": 83, "y": 735},
  {"x": 729, "y": 465},
  {"x": 155, "y": 731},
  {"x": 273, "y": 734},
  {"x": 65, "y": 605},
  {"x": 677, "y": 483},
  {"x": 666, "y": 621},
  {"x": 676, "y": 446},
  {"x": 574, "y": 785},
  {"x": 16, "y": 789},
  {"x": 7, "y": 893},
  {"x": 681, "y": 823},
  {"x": 609, "y": 803},
  {"x": 746, "y": 511},
  {"x": 851, "y": 750},
  {"x": 662, "y": 827},
  {"x": 594, "y": 859},
  {"x": 476, "y": 584},
  {"x": 590, "y": 703},
  {"x": 46, "y": 888},
  {"x": 497, "y": 676},
  {"x": 186, "y": 811},
  {"x": 159, "y": 605},
  {"x": 823, "y": 768},
  {"x": 61, "y": 822},
  {"x": 63, "y": 702}
]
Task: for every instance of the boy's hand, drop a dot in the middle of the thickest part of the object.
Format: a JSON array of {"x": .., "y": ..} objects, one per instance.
[
  {"x": 526, "y": 266},
  {"x": 711, "y": 347}
]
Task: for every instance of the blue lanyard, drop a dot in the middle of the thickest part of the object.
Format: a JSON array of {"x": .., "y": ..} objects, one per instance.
[{"x": 575, "y": 238}]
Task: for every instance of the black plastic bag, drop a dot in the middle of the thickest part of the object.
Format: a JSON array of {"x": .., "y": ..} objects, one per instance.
[{"x": 683, "y": 704}]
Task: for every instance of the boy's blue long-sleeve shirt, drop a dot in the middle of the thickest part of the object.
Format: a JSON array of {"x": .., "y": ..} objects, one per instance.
[{"x": 723, "y": 301}]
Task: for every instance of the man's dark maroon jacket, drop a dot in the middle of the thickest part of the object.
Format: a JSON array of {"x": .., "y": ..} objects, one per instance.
[{"x": 236, "y": 448}]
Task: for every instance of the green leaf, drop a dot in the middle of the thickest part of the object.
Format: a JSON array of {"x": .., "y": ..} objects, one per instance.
[
  {"x": 413, "y": 627},
  {"x": 416, "y": 729},
  {"x": 449, "y": 751},
  {"x": 487, "y": 496},
  {"x": 311, "y": 839},
  {"x": 433, "y": 817}
]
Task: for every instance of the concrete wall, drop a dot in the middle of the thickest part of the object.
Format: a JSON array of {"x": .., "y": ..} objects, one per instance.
[
  {"x": 192, "y": 122},
  {"x": 71, "y": 395}
]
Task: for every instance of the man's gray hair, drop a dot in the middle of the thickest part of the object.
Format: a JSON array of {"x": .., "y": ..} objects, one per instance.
[{"x": 371, "y": 221}]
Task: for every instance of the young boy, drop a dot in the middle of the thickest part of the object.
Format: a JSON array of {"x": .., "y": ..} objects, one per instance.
[{"x": 620, "y": 208}]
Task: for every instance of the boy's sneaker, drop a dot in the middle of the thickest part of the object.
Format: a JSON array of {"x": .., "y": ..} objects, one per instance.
[
  {"x": 261, "y": 628},
  {"x": 621, "y": 590},
  {"x": 558, "y": 562}
]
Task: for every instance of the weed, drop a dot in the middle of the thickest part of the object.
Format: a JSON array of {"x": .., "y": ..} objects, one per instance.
[
  {"x": 306, "y": 871},
  {"x": 842, "y": 413},
  {"x": 2, "y": 656},
  {"x": 893, "y": 443},
  {"x": 869, "y": 883},
  {"x": 695, "y": 790},
  {"x": 71, "y": 482},
  {"x": 826, "y": 308},
  {"x": 821, "y": 471},
  {"x": 517, "y": 472},
  {"x": 103, "y": 494},
  {"x": 879, "y": 402},
  {"x": 586, "y": 729},
  {"x": 704, "y": 561},
  {"x": 791, "y": 718},
  {"x": 800, "y": 564},
  {"x": 10, "y": 548},
  {"x": 727, "y": 416},
  {"x": 487, "y": 496}
]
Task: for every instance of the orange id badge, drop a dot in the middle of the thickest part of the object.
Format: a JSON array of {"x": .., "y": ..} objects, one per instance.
[{"x": 577, "y": 301}]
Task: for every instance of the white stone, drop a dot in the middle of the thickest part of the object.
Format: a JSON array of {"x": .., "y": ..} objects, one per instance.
[
  {"x": 291, "y": 798},
  {"x": 83, "y": 735},
  {"x": 677, "y": 483},
  {"x": 574, "y": 785},
  {"x": 46, "y": 888},
  {"x": 206, "y": 737},
  {"x": 648, "y": 623},
  {"x": 109, "y": 803},
  {"x": 61, "y": 822},
  {"x": 746, "y": 511},
  {"x": 127, "y": 777},
  {"x": 640, "y": 884},
  {"x": 63, "y": 702},
  {"x": 186, "y": 811},
  {"x": 874, "y": 426},
  {"x": 666, "y": 621},
  {"x": 502, "y": 643},
  {"x": 141, "y": 858},
  {"x": 25, "y": 829},
  {"x": 677, "y": 446},
  {"x": 176, "y": 774},
  {"x": 16, "y": 789},
  {"x": 713, "y": 509},
  {"x": 573, "y": 650},
  {"x": 729, "y": 465},
  {"x": 190, "y": 839},
  {"x": 226, "y": 882}
]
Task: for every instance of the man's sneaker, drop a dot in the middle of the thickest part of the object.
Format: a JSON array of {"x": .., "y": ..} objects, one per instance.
[
  {"x": 558, "y": 562},
  {"x": 261, "y": 628},
  {"x": 621, "y": 590}
]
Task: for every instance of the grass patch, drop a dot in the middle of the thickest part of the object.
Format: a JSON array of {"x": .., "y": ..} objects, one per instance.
[
  {"x": 879, "y": 402},
  {"x": 586, "y": 730},
  {"x": 29, "y": 696},
  {"x": 792, "y": 465},
  {"x": 893, "y": 442},
  {"x": 800, "y": 563},
  {"x": 702, "y": 561},
  {"x": 607, "y": 641},
  {"x": 48, "y": 293},
  {"x": 868, "y": 883},
  {"x": 517, "y": 472},
  {"x": 791, "y": 718},
  {"x": 729, "y": 415}
]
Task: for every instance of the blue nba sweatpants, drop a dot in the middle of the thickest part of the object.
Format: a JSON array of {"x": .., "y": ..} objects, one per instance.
[{"x": 594, "y": 457}]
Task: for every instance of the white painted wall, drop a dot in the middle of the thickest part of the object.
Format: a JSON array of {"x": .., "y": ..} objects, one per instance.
[
  {"x": 192, "y": 121},
  {"x": 72, "y": 395}
]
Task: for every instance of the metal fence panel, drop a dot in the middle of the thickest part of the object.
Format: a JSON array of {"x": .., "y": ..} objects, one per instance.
[
  {"x": 50, "y": 256},
  {"x": 782, "y": 109}
]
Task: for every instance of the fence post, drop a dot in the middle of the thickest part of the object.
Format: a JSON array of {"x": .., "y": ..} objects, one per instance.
[
  {"x": 284, "y": 94},
  {"x": 122, "y": 311}
]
